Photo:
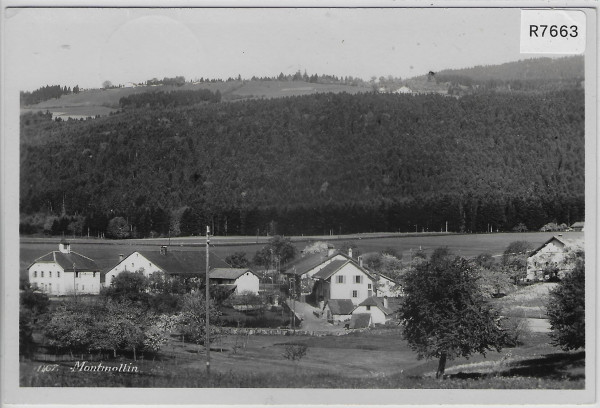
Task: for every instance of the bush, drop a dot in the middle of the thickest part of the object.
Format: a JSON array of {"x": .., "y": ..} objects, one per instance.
[
  {"x": 517, "y": 330},
  {"x": 295, "y": 352}
]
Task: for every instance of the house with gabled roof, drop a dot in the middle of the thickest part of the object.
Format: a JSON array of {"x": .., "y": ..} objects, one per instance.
[
  {"x": 65, "y": 272},
  {"x": 186, "y": 264},
  {"x": 338, "y": 310},
  {"x": 377, "y": 308},
  {"x": 244, "y": 279},
  {"x": 553, "y": 255},
  {"x": 343, "y": 279}
]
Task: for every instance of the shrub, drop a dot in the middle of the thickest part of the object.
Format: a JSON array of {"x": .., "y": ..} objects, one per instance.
[{"x": 295, "y": 352}]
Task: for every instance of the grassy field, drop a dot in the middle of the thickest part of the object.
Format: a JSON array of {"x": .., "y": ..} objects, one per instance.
[
  {"x": 102, "y": 101},
  {"x": 360, "y": 360}
]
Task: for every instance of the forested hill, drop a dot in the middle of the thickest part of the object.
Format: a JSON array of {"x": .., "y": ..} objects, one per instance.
[
  {"x": 536, "y": 74},
  {"x": 311, "y": 164}
]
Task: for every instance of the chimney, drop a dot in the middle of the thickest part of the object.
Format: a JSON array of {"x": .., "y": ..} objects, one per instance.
[
  {"x": 64, "y": 246},
  {"x": 330, "y": 250},
  {"x": 121, "y": 257},
  {"x": 350, "y": 252},
  {"x": 360, "y": 261},
  {"x": 385, "y": 302},
  {"x": 163, "y": 250}
]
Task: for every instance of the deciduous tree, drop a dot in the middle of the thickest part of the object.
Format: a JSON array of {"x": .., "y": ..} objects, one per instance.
[{"x": 444, "y": 314}]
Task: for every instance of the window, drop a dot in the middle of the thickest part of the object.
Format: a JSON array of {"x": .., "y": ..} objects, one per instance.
[
  {"x": 50, "y": 274},
  {"x": 369, "y": 286},
  {"x": 355, "y": 293},
  {"x": 35, "y": 274},
  {"x": 42, "y": 274},
  {"x": 357, "y": 279},
  {"x": 82, "y": 287},
  {"x": 368, "y": 307},
  {"x": 77, "y": 274},
  {"x": 58, "y": 275},
  {"x": 340, "y": 279},
  {"x": 94, "y": 275}
]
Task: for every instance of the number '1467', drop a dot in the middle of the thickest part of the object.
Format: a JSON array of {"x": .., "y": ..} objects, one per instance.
[{"x": 552, "y": 30}]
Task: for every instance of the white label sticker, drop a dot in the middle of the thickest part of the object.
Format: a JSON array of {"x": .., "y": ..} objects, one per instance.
[{"x": 552, "y": 31}]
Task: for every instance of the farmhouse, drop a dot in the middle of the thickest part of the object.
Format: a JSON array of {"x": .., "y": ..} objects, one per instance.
[
  {"x": 338, "y": 310},
  {"x": 552, "y": 258},
  {"x": 386, "y": 287},
  {"x": 578, "y": 226},
  {"x": 376, "y": 307},
  {"x": 343, "y": 279},
  {"x": 244, "y": 279},
  {"x": 65, "y": 272},
  {"x": 189, "y": 264},
  {"x": 300, "y": 272}
]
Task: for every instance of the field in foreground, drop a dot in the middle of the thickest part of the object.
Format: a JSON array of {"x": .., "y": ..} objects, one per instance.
[{"x": 359, "y": 360}]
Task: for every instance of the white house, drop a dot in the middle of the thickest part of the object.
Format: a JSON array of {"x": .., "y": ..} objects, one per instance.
[
  {"x": 376, "y": 307},
  {"x": 170, "y": 263},
  {"x": 338, "y": 310},
  {"x": 65, "y": 272},
  {"x": 553, "y": 254},
  {"x": 343, "y": 279},
  {"x": 244, "y": 279}
]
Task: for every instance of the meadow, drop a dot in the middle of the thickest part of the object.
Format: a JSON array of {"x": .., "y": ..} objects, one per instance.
[{"x": 377, "y": 359}]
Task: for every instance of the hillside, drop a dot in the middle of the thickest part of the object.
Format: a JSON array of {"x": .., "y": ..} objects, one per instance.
[
  {"x": 531, "y": 75},
  {"x": 102, "y": 102},
  {"x": 315, "y": 163}
]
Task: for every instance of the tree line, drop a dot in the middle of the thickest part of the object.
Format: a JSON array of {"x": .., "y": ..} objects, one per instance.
[{"x": 45, "y": 93}]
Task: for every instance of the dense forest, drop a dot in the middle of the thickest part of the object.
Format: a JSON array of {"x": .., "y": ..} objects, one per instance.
[
  {"x": 539, "y": 74},
  {"x": 310, "y": 164}
]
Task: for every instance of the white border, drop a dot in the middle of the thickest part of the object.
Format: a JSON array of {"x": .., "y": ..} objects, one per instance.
[{"x": 10, "y": 246}]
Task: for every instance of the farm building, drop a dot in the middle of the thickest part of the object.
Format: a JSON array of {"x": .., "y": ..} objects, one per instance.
[
  {"x": 343, "y": 279},
  {"x": 65, "y": 272},
  {"x": 552, "y": 257},
  {"x": 191, "y": 264},
  {"x": 338, "y": 310},
  {"x": 578, "y": 226},
  {"x": 376, "y": 307},
  {"x": 244, "y": 279}
]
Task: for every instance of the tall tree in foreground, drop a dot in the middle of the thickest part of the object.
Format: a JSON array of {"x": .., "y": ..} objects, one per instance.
[
  {"x": 444, "y": 314},
  {"x": 566, "y": 309}
]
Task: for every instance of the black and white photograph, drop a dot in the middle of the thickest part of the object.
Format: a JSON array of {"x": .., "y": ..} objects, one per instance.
[{"x": 286, "y": 199}]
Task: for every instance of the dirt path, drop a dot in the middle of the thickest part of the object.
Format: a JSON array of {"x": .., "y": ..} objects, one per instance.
[{"x": 311, "y": 322}]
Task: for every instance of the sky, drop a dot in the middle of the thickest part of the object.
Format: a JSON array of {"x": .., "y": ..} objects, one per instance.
[{"x": 85, "y": 47}]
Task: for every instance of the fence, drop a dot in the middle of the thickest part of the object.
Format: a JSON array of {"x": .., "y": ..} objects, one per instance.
[{"x": 283, "y": 332}]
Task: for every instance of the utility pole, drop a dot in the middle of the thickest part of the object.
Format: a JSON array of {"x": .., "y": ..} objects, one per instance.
[
  {"x": 207, "y": 341},
  {"x": 74, "y": 287}
]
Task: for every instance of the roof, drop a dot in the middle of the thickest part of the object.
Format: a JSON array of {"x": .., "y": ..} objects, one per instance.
[
  {"x": 377, "y": 302},
  {"x": 228, "y": 273},
  {"x": 340, "y": 306},
  {"x": 331, "y": 268},
  {"x": 183, "y": 262},
  {"x": 360, "y": 321},
  {"x": 578, "y": 224},
  {"x": 305, "y": 264},
  {"x": 66, "y": 261},
  {"x": 567, "y": 242}
]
